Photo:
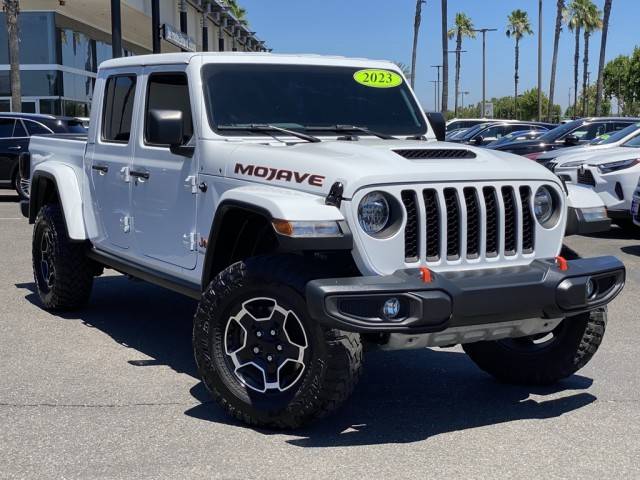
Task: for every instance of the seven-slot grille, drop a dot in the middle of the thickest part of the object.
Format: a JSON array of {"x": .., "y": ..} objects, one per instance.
[{"x": 468, "y": 222}]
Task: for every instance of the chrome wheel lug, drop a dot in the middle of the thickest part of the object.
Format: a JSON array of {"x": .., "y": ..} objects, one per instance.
[
  {"x": 269, "y": 358},
  {"x": 256, "y": 350},
  {"x": 259, "y": 334},
  {"x": 279, "y": 348},
  {"x": 273, "y": 332}
]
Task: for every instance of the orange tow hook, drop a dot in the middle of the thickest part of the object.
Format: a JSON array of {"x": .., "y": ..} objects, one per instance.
[
  {"x": 425, "y": 275},
  {"x": 563, "y": 266}
]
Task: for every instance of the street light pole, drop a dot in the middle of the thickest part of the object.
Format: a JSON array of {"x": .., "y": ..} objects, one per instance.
[
  {"x": 463, "y": 93},
  {"x": 438, "y": 107},
  {"x": 116, "y": 29},
  {"x": 484, "y": 67},
  {"x": 539, "y": 60},
  {"x": 435, "y": 94}
]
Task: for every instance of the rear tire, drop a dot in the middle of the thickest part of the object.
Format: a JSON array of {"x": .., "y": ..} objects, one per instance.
[
  {"x": 63, "y": 273},
  {"x": 312, "y": 370},
  {"x": 523, "y": 361}
]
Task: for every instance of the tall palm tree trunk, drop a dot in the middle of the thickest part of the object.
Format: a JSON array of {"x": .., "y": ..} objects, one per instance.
[
  {"x": 12, "y": 8},
  {"x": 554, "y": 61},
  {"x": 585, "y": 73},
  {"x": 516, "y": 78},
  {"x": 603, "y": 48},
  {"x": 416, "y": 30},
  {"x": 445, "y": 59},
  {"x": 458, "y": 48},
  {"x": 576, "y": 61}
]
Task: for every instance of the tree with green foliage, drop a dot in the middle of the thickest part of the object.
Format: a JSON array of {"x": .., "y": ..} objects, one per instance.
[
  {"x": 517, "y": 27},
  {"x": 616, "y": 81},
  {"x": 591, "y": 22},
  {"x": 573, "y": 19},
  {"x": 463, "y": 28},
  {"x": 603, "y": 48},
  {"x": 589, "y": 102},
  {"x": 237, "y": 11}
]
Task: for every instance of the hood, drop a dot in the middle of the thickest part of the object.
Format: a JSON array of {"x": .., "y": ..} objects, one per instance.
[
  {"x": 315, "y": 167},
  {"x": 594, "y": 156},
  {"x": 580, "y": 149}
]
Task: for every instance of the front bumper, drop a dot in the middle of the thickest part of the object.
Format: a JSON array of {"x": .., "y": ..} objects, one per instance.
[
  {"x": 458, "y": 299},
  {"x": 580, "y": 224}
]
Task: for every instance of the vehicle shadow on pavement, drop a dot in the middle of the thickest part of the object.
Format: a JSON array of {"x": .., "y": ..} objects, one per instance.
[
  {"x": 617, "y": 233},
  {"x": 403, "y": 397}
]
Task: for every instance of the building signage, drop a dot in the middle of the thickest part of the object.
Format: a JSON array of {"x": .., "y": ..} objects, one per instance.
[{"x": 177, "y": 38}]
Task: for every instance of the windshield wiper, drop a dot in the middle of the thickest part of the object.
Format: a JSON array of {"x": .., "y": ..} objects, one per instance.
[
  {"x": 352, "y": 128},
  {"x": 253, "y": 127}
]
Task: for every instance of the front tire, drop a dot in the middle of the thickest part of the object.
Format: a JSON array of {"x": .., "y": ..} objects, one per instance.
[
  {"x": 543, "y": 360},
  {"x": 62, "y": 271},
  {"x": 264, "y": 360}
]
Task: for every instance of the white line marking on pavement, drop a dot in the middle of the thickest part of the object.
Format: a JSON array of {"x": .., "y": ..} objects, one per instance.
[{"x": 11, "y": 218}]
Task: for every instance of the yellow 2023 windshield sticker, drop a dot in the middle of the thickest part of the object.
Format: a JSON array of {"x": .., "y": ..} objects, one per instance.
[{"x": 377, "y": 78}]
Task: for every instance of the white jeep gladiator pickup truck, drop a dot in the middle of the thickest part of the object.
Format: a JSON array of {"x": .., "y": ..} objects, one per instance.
[{"x": 305, "y": 202}]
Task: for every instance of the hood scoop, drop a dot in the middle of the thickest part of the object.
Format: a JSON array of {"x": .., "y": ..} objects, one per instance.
[{"x": 434, "y": 153}]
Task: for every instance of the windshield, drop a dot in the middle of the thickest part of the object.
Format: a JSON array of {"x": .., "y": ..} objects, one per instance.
[
  {"x": 559, "y": 132},
  {"x": 634, "y": 142},
  {"x": 306, "y": 96},
  {"x": 616, "y": 136},
  {"x": 473, "y": 131}
]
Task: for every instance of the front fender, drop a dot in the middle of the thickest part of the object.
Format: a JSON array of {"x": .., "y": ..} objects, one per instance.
[
  {"x": 67, "y": 188},
  {"x": 284, "y": 204}
]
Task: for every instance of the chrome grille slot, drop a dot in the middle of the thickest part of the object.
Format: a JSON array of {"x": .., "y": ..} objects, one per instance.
[
  {"x": 410, "y": 203},
  {"x": 432, "y": 224},
  {"x": 510, "y": 221}
]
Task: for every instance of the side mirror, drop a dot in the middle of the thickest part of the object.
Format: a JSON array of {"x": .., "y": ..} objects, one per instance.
[
  {"x": 438, "y": 125},
  {"x": 571, "y": 140},
  {"x": 478, "y": 140},
  {"x": 164, "y": 127}
]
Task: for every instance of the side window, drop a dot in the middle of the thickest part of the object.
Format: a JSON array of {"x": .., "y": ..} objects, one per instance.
[
  {"x": 169, "y": 91},
  {"x": 35, "y": 128},
  {"x": 120, "y": 92},
  {"x": 493, "y": 132},
  {"x": 615, "y": 126},
  {"x": 6, "y": 127},
  {"x": 18, "y": 130},
  {"x": 590, "y": 131}
]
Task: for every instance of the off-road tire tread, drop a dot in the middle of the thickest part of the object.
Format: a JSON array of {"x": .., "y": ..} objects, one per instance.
[
  {"x": 74, "y": 270},
  {"x": 496, "y": 361},
  {"x": 343, "y": 362}
]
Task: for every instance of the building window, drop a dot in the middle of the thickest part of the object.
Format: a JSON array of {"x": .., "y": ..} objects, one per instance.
[
  {"x": 221, "y": 44},
  {"x": 36, "y": 47},
  {"x": 118, "y": 108}
]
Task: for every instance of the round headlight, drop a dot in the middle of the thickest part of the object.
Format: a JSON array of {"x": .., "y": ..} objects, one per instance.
[
  {"x": 543, "y": 205},
  {"x": 373, "y": 212}
]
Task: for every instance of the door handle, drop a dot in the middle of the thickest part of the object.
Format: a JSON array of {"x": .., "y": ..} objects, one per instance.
[
  {"x": 101, "y": 168},
  {"x": 143, "y": 175},
  {"x": 15, "y": 148}
]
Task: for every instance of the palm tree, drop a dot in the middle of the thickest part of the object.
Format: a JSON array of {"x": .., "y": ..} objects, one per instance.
[
  {"x": 238, "y": 12},
  {"x": 554, "y": 62},
  {"x": 573, "y": 16},
  {"x": 518, "y": 26},
  {"x": 12, "y": 9},
  {"x": 591, "y": 21},
  {"x": 463, "y": 28},
  {"x": 416, "y": 30},
  {"x": 445, "y": 58},
  {"x": 603, "y": 48}
]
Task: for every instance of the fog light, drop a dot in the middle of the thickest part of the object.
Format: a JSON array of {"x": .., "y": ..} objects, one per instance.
[
  {"x": 391, "y": 308},
  {"x": 591, "y": 289}
]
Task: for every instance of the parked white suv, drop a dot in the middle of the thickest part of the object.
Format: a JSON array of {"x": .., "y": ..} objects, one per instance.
[{"x": 304, "y": 202}]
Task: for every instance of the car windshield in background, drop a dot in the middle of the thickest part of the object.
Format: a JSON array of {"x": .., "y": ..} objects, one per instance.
[
  {"x": 634, "y": 142},
  {"x": 302, "y": 96},
  {"x": 559, "y": 132},
  {"x": 471, "y": 132},
  {"x": 616, "y": 136}
]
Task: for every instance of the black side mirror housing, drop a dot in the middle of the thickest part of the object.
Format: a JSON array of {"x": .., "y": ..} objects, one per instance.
[
  {"x": 571, "y": 140},
  {"x": 438, "y": 125},
  {"x": 164, "y": 127},
  {"x": 478, "y": 140}
]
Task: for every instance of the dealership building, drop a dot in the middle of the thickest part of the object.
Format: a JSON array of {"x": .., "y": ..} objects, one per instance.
[{"x": 62, "y": 42}]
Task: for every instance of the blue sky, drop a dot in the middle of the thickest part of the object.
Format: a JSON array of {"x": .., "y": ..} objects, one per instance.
[{"x": 384, "y": 29}]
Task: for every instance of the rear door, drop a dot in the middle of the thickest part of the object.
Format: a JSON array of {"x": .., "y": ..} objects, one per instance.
[
  {"x": 109, "y": 161},
  {"x": 13, "y": 141},
  {"x": 163, "y": 189}
]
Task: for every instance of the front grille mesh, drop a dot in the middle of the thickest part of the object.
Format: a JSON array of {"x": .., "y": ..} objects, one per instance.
[
  {"x": 586, "y": 177},
  {"x": 468, "y": 222}
]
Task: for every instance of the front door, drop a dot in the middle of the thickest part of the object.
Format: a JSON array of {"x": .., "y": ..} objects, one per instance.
[
  {"x": 163, "y": 183},
  {"x": 109, "y": 162}
]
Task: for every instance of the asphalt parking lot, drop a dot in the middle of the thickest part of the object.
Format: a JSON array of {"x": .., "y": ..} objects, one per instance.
[{"x": 112, "y": 392}]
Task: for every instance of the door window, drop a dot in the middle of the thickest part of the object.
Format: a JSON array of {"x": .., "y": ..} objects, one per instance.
[
  {"x": 35, "y": 128},
  {"x": 6, "y": 127},
  {"x": 169, "y": 91},
  {"x": 590, "y": 131},
  {"x": 19, "y": 130},
  {"x": 118, "y": 108}
]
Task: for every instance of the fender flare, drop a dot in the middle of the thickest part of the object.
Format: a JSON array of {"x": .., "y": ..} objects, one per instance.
[
  {"x": 285, "y": 244},
  {"x": 66, "y": 186}
]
